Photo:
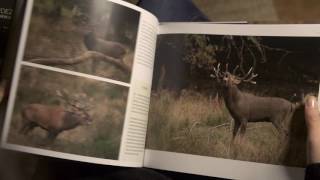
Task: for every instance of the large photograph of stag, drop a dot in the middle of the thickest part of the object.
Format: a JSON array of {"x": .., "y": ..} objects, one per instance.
[
  {"x": 69, "y": 114},
  {"x": 95, "y": 37},
  {"x": 234, "y": 97}
]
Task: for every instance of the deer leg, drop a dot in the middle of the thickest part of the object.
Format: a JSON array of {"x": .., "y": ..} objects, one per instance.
[
  {"x": 243, "y": 127},
  {"x": 52, "y": 135},
  {"x": 235, "y": 130},
  {"x": 27, "y": 127},
  {"x": 23, "y": 128},
  {"x": 282, "y": 132}
]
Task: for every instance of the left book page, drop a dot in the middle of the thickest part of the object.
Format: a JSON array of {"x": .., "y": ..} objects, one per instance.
[{"x": 82, "y": 82}]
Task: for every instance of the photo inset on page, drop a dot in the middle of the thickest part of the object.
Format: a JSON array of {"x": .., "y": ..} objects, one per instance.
[
  {"x": 95, "y": 37},
  {"x": 66, "y": 113},
  {"x": 233, "y": 97}
]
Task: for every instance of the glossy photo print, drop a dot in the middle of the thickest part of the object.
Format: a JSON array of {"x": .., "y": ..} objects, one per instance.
[
  {"x": 95, "y": 37},
  {"x": 66, "y": 113},
  {"x": 233, "y": 97}
]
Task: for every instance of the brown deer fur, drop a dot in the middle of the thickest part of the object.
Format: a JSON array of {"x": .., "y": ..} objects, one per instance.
[
  {"x": 246, "y": 107},
  {"x": 53, "y": 119}
]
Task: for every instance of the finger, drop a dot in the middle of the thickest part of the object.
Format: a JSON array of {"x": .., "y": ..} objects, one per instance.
[
  {"x": 312, "y": 114},
  {"x": 312, "y": 117}
]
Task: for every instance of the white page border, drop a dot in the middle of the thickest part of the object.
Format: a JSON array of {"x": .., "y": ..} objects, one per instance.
[
  {"x": 219, "y": 167},
  {"x": 294, "y": 30}
]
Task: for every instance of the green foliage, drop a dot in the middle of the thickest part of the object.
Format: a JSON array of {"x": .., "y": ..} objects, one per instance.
[
  {"x": 201, "y": 52},
  {"x": 105, "y": 147},
  {"x": 114, "y": 92}
]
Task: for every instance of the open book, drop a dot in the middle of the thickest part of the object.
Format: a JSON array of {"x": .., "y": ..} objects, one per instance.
[{"x": 103, "y": 82}]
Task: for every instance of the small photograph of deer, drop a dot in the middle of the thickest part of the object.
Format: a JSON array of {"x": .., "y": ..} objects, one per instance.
[
  {"x": 94, "y": 37},
  {"x": 67, "y": 113},
  {"x": 234, "y": 97}
]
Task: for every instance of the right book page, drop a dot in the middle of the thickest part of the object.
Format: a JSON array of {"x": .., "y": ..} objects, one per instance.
[{"x": 227, "y": 100}]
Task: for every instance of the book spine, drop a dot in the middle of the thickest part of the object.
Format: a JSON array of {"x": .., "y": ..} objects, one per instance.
[{"x": 6, "y": 16}]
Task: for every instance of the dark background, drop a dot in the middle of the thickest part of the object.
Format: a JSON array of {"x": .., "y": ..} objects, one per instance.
[{"x": 285, "y": 65}]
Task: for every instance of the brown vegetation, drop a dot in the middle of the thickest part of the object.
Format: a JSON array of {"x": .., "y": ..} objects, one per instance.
[
  {"x": 197, "y": 124},
  {"x": 61, "y": 44}
]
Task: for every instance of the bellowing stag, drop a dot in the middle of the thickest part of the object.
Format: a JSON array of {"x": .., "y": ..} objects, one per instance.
[
  {"x": 245, "y": 107},
  {"x": 54, "y": 119}
]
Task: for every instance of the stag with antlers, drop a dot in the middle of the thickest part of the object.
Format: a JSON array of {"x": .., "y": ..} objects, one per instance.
[
  {"x": 245, "y": 107},
  {"x": 56, "y": 119}
]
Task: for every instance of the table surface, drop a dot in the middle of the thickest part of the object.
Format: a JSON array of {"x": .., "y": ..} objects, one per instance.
[{"x": 260, "y": 11}]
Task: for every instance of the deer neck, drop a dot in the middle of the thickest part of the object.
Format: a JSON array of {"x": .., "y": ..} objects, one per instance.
[
  {"x": 71, "y": 120},
  {"x": 232, "y": 94}
]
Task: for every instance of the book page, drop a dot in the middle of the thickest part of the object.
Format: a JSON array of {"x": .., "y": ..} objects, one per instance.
[
  {"x": 82, "y": 82},
  {"x": 227, "y": 100}
]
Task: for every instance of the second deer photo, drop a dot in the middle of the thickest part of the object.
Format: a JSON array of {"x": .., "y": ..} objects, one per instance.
[
  {"x": 66, "y": 113},
  {"x": 233, "y": 97}
]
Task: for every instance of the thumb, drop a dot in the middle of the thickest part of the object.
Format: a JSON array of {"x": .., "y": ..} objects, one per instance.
[
  {"x": 312, "y": 114},
  {"x": 312, "y": 117}
]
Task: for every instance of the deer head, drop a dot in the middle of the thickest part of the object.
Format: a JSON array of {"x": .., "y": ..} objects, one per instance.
[
  {"x": 78, "y": 105},
  {"x": 233, "y": 78}
]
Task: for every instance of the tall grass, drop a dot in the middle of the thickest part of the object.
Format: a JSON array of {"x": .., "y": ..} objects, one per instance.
[{"x": 196, "y": 124}]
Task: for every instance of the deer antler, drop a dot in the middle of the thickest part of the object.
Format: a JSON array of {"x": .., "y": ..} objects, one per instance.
[
  {"x": 235, "y": 70},
  {"x": 227, "y": 68},
  {"x": 78, "y": 102},
  {"x": 249, "y": 76},
  {"x": 217, "y": 72}
]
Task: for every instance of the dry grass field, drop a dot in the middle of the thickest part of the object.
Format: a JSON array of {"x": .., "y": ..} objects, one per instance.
[{"x": 196, "y": 124}]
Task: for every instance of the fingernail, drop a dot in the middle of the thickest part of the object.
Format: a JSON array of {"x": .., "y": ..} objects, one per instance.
[{"x": 311, "y": 102}]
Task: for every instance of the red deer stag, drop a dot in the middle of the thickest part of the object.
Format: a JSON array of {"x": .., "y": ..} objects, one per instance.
[
  {"x": 55, "y": 119},
  {"x": 245, "y": 107}
]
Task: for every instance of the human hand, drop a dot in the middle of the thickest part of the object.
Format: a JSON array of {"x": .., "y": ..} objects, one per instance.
[{"x": 312, "y": 116}]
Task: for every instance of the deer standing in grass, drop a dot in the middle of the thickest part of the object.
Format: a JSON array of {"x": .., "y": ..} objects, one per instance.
[
  {"x": 245, "y": 107},
  {"x": 55, "y": 119}
]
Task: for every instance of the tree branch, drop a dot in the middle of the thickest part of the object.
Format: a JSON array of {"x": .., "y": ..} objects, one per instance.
[{"x": 86, "y": 56}]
